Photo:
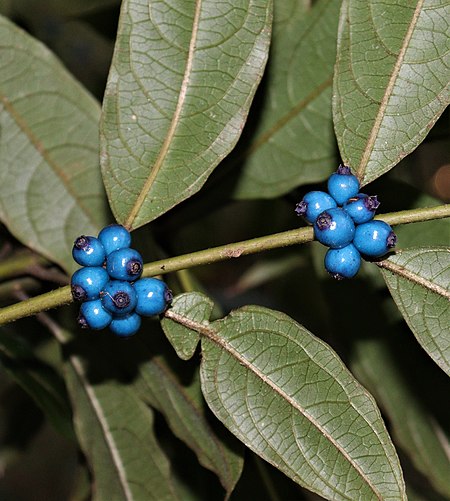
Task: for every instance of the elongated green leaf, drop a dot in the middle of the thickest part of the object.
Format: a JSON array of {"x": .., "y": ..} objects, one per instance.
[
  {"x": 184, "y": 408},
  {"x": 50, "y": 184},
  {"x": 290, "y": 399},
  {"x": 294, "y": 141},
  {"x": 413, "y": 427},
  {"x": 182, "y": 80},
  {"x": 115, "y": 429},
  {"x": 391, "y": 80},
  {"x": 419, "y": 281}
]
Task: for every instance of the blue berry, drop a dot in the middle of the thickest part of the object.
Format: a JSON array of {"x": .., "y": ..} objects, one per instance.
[
  {"x": 343, "y": 263},
  {"x": 124, "y": 264},
  {"x": 313, "y": 204},
  {"x": 334, "y": 228},
  {"x": 126, "y": 326},
  {"x": 118, "y": 297},
  {"x": 343, "y": 185},
  {"x": 88, "y": 251},
  {"x": 114, "y": 237},
  {"x": 374, "y": 239},
  {"x": 93, "y": 315},
  {"x": 87, "y": 283},
  {"x": 362, "y": 207},
  {"x": 153, "y": 296}
]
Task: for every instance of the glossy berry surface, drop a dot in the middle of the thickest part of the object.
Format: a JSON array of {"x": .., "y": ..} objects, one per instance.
[
  {"x": 124, "y": 264},
  {"x": 93, "y": 315},
  {"x": 88, "y": 251},
  {"x": 114, "y": 237},
  {"x": 119, "y": 297},
  {"x": 343, "y": 263},
  {"x": 86, "y": 283},
  {"x": 313, "y": 204},
  {"x": 361, "y": 208},
  {"x": 334, "y": 228},
  {"x": 343, "y": 185},
  {"x": 374, "y": 239},
  {"x": 153, "y": 296},
  {"x": 126, "y": 326}
]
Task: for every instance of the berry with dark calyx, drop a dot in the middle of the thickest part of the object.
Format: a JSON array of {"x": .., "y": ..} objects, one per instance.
[
  {"x": 124, "y": 264},
  {"x": 114, "y": 237},
  {"x": 118, "y": 297},
  {"x": 313, "y": 204},
  {"x": 362, "y": 207},
  {"x": 374, "y": 239},
  {"x": 343, "y": 185},
  {"x": 153, "y": 296},
  {"x": 125, "y": 326},
  {"x": 86, "y": 283},
  {"x": 343, "y": 263},
  {"x": 88, "y": 251},
  {"x": 334, "y": 228},
  {"x": 93, "y": 315}
]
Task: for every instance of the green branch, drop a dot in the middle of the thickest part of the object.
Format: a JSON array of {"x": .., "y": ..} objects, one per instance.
[{"x": 63, "y": 295}]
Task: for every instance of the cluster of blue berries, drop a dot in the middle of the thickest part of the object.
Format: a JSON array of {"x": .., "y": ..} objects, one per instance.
[
  {"x": 343, "y": 221},
  {"x": 109, "y": 285}
]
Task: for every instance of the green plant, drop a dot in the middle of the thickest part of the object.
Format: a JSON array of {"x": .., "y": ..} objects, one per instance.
[{"x": 223, "y": 381}]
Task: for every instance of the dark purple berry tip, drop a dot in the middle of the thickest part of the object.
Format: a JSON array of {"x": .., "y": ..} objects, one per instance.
[
  {"x": 168, "y": 296},
  {"x": 337, "y": 276},
  {"x": 82, "y": 242},
  {"x": 301, "y": 208},
  {"x": 78, "y": 293},
  {"x": 82, "y": 322},
  {"x": 371, "y": 203},
  {"x": 324, "y": 221},
  {"x": 344, "y": 170},
  {"x": 391, "y": 240},
  {"x": 134, "y": 267},
  {"x": 121, "y": 299}
]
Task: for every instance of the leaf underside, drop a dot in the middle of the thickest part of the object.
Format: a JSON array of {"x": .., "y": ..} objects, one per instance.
[
  {"x": 391, "y": 80},
  {"x": 418, "y": 279},
  {"x": 50, "y": 185},
  {"x": 180, "y": 86},
  {"x": 294, "y": 140}
]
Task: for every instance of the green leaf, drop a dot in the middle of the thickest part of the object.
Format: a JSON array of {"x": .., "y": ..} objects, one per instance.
[
  {"x": 413, "y": 427},
  {"x": 115, "y": 429},
  {"x": 290, "y": 399},
  {"x": 391, "y": 80},
  {"x": 294, "y": 141},
  {"x": 181, "y": 83},
  {"x": 50, "y": 184},
  {"x": 184, "y": 408},
  {"x": 418, "y": 280},
  {"x": 196, "y": 306}
]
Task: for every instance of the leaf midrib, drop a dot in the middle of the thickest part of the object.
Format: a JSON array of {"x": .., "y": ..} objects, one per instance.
[
  {"x": 173, "y": 125},
  {"x": 360, "y": 171}
]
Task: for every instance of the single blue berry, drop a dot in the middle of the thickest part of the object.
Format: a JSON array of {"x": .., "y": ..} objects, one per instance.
[
  {"x": 343, "y": 185},
  {"x": 88, "y": 251},
  {"x": 125, "y": 326},
  {"x": 114, "y": 237},
  {"x": 374, "y": 239},
  {"x": 93, "y": 315},
  {"x": 334, "y": 228},
  {"x": 87, "y": 283},
  {"x": 313, "y": 204},
  {"x": 343, "y": 263},
  {"x": 118, "y": 297},
  {"x": 153, "y": 296},
  {"x": 362, "y": 207},
  {"x": 124, "y": 264}
]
